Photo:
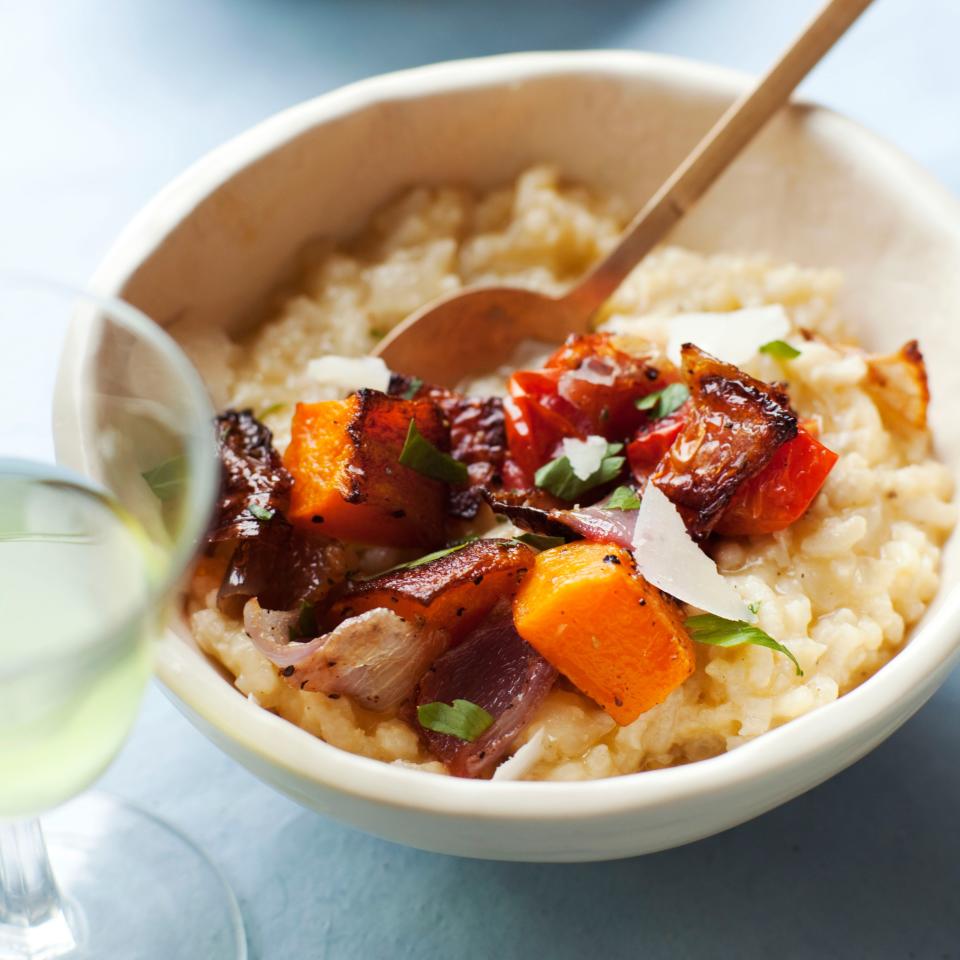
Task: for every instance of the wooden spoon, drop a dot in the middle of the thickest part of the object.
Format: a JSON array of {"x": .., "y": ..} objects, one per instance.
[{"x": 474, "y": 331}]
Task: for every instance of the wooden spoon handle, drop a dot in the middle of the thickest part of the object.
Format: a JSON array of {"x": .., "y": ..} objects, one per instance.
[{"x": 729, "y": 135}]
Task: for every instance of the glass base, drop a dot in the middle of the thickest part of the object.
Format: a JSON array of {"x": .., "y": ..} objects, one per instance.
[{"x": 134, "y": 888}]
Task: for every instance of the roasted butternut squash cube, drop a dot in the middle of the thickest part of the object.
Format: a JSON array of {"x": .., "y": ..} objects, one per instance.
[
  {"x": 617, "y": 638},
  {"x": 348, "y": 481}
]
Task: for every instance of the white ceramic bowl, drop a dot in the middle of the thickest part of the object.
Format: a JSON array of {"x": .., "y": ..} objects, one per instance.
[{"x": 814, "y": 188}]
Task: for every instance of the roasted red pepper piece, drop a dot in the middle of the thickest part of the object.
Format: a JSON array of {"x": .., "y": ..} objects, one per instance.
[
  {"x": 535, "y": 427},
  {"x": 781, "y": 493},
  {"x": 652, "y": 441},
  {"x": 734, "y": 427},
  {"x": 588, "y": 386},
  {"x": 607, "y": 408}
]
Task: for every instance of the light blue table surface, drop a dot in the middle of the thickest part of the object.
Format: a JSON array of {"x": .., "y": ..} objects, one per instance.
[{"x": 101, "y": 103}]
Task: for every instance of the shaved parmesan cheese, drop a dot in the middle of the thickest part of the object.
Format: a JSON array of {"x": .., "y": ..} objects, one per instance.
[
  {"x": 350, "y": 373},
  {"x": 585, "y": 456},
  {"x": 734, "y": 336},
  {"x": 669, "y": 559},
  {"x": 524, "y": 760}
]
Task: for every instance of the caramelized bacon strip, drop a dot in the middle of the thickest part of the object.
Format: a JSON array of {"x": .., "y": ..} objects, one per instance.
[
  {"x": 272, "y": 561},
  {"x": 282, "y": 568},
  {"x": 478, "y": 438},
  {"x": 735, "y": 426},
  {"x": 452, "y": 593},
  {"x": 251, "y": 475}
]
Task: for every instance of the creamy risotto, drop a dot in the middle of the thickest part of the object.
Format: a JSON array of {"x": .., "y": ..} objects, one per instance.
[{"x": 840, "y": 587}]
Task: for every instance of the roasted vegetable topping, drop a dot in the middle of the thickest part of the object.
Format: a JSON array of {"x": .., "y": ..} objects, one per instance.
[
  {"x": 602, "y": 383},
  {"x": 376, "y": 657},
  {"x": 497, "y": 673},
  {"x": 618, "y": 639},
  {"x": 345, "y": 458},
  {"x": 781, "y": 493},
  {"x": 735, "y": 426},
  {"x": 589, "y": 387},
  {"x": 467, "y": 640},
  {"x": 898, "y": 382}
]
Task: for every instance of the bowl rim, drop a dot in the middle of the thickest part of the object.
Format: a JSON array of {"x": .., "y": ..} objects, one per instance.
[{"x": 921, "y": 664}]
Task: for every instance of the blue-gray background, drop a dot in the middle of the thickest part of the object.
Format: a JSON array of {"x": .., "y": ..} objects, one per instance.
[{"x": 101, "y": 103}]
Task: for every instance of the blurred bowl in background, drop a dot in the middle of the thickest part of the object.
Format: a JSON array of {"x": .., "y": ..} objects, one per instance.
[{"x": 814, "y": 188}]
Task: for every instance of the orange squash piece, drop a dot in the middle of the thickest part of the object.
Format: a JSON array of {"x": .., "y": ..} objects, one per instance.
[
  {"x": 348, "y": 481},
  {"x": 451, "y": 593},
  {"x": 616, "y": 637}
]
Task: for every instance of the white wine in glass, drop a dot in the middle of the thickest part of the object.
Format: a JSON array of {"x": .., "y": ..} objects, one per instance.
[
  {"x": 74, "y": 561},
  {"x": 90, "y": 558}
]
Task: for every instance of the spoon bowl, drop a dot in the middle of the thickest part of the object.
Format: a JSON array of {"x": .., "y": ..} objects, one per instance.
[{"x": 471, "y": 332}]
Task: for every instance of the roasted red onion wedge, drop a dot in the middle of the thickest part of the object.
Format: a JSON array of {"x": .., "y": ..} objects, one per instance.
[
  {"x": 253, "y": 482},
  {"x": 600, "y": 524},
  {"x": 593, "y": 523},
  {"x": 496, "y": 669},
  {"x": 529, "y": 509},
  {"x": 375, "y": 657},
  {"x": 271, "y": 630}
]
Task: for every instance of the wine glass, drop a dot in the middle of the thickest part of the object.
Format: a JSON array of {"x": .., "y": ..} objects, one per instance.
[{"x": 107, "y": 480}]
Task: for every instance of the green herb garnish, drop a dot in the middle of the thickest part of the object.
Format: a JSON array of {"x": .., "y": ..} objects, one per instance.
[
  {"x": 662, "y": 403},
  {"x": 263, "y": 514},
  {"x": 540, "y": 541},
  {"x": 558, "y": 477},
  {"x": 754, "y": 607},
  {"x": 412, "y": 389},
  {"x": 623, "y": 498},
  {"x": 780, "y": 349},
  {"x": 166, "y": 479},
  {"x": 273, "y": 408},
  {"x": 464, "y": 720},
  {"x": 720, "y": 632},
  {"x": 421, "y": 455},
  {"x": 427, "y": 558}
]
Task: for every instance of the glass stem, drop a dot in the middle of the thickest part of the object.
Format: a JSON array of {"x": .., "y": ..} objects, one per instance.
[{"x": 33, "y": 923}]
